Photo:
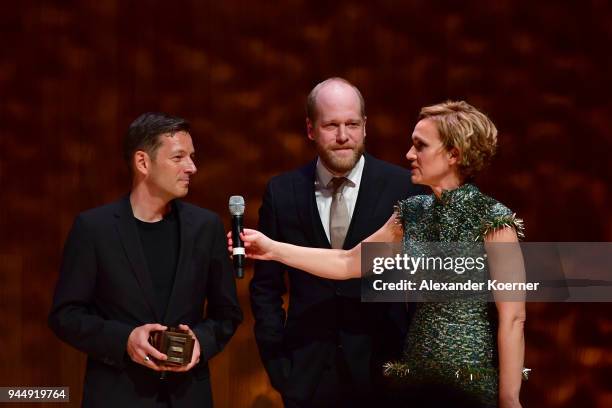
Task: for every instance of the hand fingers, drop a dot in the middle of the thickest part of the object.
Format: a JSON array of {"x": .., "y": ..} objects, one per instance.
[
  {"x": 153, "y": 327},
  {"x": 247, "y": 238},
  {"x": 192, "y": 334},
  {"x": 194, "y": 360},
  {"x": 179, "y": 369},
  {"x": 151, "y": 364},
  {"x": 147, "y": 361},
  {"x": 249, "y": 234},
  {"x": 196, "y": 349},
  {"x": 149, "y": 350},
  {"x": 185, "y": 327},
  {"x": 230, "y": 243}
]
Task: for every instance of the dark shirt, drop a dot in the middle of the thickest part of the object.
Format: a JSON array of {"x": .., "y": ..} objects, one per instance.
[{"x": 160, "y": 244}]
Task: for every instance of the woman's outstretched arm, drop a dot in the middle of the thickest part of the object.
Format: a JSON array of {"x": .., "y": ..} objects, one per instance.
[{"x": 335, "y": 264}]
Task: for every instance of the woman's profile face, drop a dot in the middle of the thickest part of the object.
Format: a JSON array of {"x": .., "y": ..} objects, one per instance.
[{"x": 430, "y": 161}]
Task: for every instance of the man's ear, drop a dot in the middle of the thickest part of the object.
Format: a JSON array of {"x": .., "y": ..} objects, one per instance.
[
  {"x": 365, "y": 119},
  {"x": 142, "y": 162},
  {"x": 310, "y": 129}
]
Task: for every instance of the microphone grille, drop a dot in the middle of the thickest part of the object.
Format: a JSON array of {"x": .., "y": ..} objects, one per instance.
[{"x": 236, "y": 205}]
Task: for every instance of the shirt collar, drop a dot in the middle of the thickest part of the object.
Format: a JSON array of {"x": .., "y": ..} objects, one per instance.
[{"x": 324, "y": 176}]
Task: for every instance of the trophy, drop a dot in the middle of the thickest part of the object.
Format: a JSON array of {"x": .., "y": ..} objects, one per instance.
[{"x": 177, "y": 344}]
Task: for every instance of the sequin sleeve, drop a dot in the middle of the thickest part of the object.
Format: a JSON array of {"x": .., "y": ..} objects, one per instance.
[
  {"x": 408, "y": 209},
  {"x": 501, "y": 216},
  {"x": 398, "y": 213}
]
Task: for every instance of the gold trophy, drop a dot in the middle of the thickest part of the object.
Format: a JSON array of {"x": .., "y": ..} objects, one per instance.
[{"x": 177, "y": 344}]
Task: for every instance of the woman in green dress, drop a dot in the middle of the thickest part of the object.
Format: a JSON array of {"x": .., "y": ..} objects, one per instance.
[{"x": 473, "y": 346}]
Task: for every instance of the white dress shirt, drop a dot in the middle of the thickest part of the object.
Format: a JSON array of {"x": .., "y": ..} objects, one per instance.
[{"x": 323, "y": 194}]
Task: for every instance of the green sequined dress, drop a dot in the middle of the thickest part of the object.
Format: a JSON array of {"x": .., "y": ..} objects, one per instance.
[{"x": 453, "y": 342}]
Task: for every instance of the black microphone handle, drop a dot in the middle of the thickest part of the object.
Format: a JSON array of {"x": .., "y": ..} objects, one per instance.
[
  {"x": 237, "y": 243},
  {"x": 239, "y": 266}
]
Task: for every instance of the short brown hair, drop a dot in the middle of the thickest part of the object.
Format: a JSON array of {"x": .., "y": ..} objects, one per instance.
[
  {"x": 145, "y": 131},
  {"x": 464, "y": 127}
]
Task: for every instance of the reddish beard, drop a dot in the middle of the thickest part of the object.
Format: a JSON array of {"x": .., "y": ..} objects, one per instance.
[{"x": 337, "y": 164}]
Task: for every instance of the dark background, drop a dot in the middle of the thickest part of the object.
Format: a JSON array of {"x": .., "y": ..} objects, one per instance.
[{"x": 73, "y": 75}]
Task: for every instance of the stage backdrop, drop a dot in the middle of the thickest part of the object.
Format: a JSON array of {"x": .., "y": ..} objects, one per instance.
[{"x": 73, "y": 75}]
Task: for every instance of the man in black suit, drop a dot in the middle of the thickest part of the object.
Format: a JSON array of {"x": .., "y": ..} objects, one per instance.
[
  {"x": 145, "y": 263},
  {"x": 329, "y": 349}
]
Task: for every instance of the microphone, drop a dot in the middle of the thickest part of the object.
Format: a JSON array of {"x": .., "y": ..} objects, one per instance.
[{"x": 236, "y": 208}]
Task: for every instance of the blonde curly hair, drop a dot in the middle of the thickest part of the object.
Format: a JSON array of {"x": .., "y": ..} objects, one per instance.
[{"x": 464, "y": 127}]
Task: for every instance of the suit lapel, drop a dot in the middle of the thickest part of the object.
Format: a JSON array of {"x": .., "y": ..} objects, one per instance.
[
  {"x": 370, "y": 189},
  {"x": 181, "y": 277},
  {"x": 306, "y": 206},
  {"x": 130, "y": 240}
]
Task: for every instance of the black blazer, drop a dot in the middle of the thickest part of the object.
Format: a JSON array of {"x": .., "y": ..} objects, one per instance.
[
  {"x": 105, "y": 291},
  {"x": 323, "y": 314}
]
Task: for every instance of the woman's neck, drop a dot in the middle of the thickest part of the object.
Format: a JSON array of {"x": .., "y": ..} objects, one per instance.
[{"x": 448, "y": 183}]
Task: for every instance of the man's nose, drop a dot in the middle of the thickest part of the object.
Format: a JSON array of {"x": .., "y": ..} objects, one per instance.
[
  {"x": 342, "y": 134},
  {"x": 191, "y": 167}
]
